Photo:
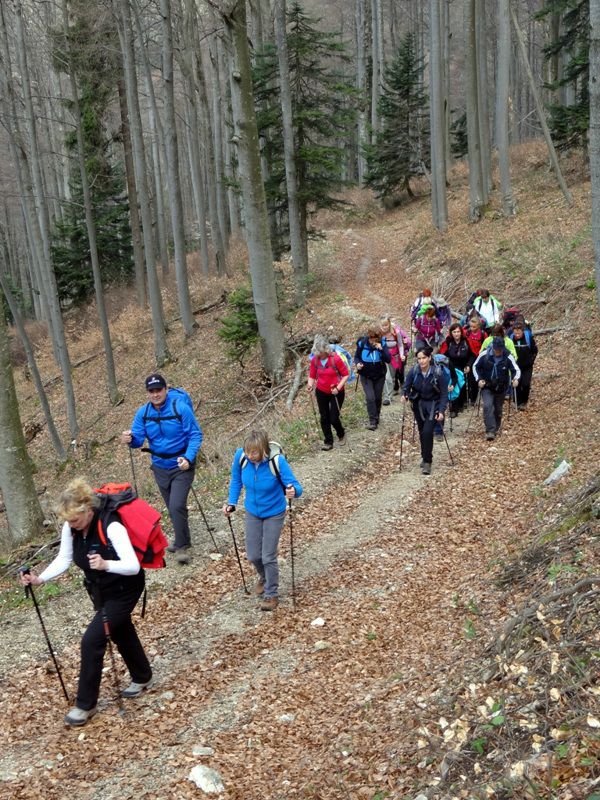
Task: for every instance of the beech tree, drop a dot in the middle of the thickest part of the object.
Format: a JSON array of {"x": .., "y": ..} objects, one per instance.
[{"x": 594, "y": 89}]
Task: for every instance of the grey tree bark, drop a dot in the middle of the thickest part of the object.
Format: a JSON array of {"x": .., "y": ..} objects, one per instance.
[
  {"x": 299, "y": 252},
  {"x": 361, "y": 86},
  {"x": 111, "y": 377},
  {"x": 477, "y": 189},
  {"x": 232, "y": 198},
  {"x": 255, "y": 206},
  {"x": 376, "y": 76},
  {"x": 509, "y": 206},
  {"x": 437, "y": 83},
  {"x": 36, "y": 209},
  {"x": 594, "y": 143},
  {"x": 174, "y": 178},
  {"x": 23, "y": 510},
  {"x": 161, "y": 351}
]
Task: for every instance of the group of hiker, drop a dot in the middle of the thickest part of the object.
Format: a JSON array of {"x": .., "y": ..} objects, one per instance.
[
  {"x": 485, "y": 355},
  {"x": 488, "y": 353}
]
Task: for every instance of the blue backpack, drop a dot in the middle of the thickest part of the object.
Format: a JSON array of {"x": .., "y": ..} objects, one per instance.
[
  {"x": 442, "y": 361},
  {"x": 175, "y": 396},
  {"x": 346, "y": 358}
]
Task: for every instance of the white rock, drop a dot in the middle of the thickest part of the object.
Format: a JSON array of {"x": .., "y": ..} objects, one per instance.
[
  {"x": 318, "y": 622},
  {"x": 287, "y": 718},
  {"x": 167, "y": 696},
  {"x": 562, "y": 469},
  {"x": 215, "y": 556},
  {"x": 322, "y": 645},
  {"x": 383, "y": 261},
  {"x": 206, "y": 779},
  {"x": 202, "y": 751}
]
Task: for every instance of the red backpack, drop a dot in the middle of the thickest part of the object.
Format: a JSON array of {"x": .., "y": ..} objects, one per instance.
[{"x": 140, "y": 520}]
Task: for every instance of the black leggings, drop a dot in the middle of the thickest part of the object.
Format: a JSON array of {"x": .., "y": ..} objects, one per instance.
[{"x": 329, "y": 413}]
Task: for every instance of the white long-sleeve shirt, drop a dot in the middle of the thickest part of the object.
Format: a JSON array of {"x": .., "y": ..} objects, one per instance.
[{"x": 127, "y": 564}]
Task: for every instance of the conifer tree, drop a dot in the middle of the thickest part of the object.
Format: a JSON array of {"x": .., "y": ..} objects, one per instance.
[
  {"x": 401, "y": 147},
  {"x": 569, "y": 124},
  {"x": 323, "y": 113}
]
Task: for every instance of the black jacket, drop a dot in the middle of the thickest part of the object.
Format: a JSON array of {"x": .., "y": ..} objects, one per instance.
[{"x": 372, "y": 359}]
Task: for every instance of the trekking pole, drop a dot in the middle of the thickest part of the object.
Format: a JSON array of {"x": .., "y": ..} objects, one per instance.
[
  {"x": 99, "y": 605},
  {"x": 448, "y": 446},
  {"x": 515, "y": 396},
  {"x": 237, "y": 553},
  {"x": 337, "y": 402},
  {"x": 402, "y": 434},
  {"x": 208, "y": 528},
  {"x": 314, "y": 410},
  {"x": 412, "y": 441},
  {"x": 450, "y": 414},
  {"x": 29, "y": 593},
  {"x": 132, "y": 470},
  {"x": 471, "y": 417},
  {"x": 292, "y": 553}
]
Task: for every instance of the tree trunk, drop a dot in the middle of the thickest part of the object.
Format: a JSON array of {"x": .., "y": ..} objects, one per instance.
[
  {"x": 509, "y": 206},
  {"x": 361, "y": 86},
  {"x": 255, "y": 206},
  {"x": 161, "y": 351},
  {"x": 439, "y": 203},
  {"x": 375, "y": 66},
  {"x": 23, "y": 510},
  {"x": 90, "y": 224},
  {"x": 174, "y": 180},
  {"x": 298, "y": 259},
  {"x": 476, "y": 188},
  {"x": 594, "y": 146},
  {"x": 232, "y": 198},
  {"x": 485, "y": 150}
]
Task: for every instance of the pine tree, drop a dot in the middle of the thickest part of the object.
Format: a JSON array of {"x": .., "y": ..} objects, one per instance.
[
  {"x": 570, "y": 123},
  {"x": 93, "y": 42},
  {"x": 323, "y": 111},
  {"x": 401, "y": 147}
]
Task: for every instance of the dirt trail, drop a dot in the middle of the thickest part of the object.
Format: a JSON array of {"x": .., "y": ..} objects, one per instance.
[{"x": 291, "y": 710}]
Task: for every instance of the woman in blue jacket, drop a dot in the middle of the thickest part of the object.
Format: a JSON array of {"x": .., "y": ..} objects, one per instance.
[{"x": 268, "y": 482}]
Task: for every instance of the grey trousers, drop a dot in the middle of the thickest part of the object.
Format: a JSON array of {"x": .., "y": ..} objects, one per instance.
[
  {"x": 174, "y": 485},
  {"x": 262, "y": 539},
  {"x": 493, "y": 405}
]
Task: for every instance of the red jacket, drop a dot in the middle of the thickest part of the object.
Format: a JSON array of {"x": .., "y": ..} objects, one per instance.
[
  {"x": 475, "y": 339},
  {"x": 329, "y": 375}
]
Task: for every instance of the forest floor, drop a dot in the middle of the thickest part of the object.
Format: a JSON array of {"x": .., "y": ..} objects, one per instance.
[{"x": 402, "y": 690}]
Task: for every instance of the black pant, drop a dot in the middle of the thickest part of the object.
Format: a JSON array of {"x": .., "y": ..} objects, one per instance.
[
  {"x": 329, "y": 413},
  {"x": 524, "y": 385},
  {"x": 174, "y": 485},
  {"x": 118, "y": 602},
  {"x": 373, "y": 388},
  {"x": 473, "y": 388},
  {"x": 425, "y": 427}
]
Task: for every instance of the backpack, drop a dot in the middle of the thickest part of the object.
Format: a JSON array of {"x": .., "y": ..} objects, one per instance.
[
  {"x": 140, "y": 520},
  {"x": 509, "y": 315},
  {"x": 526, "y": 336},
  {"x": 175, "y": 395},
  {"x": 275, "y": 451},
  {"x": 346, "y": 358}
]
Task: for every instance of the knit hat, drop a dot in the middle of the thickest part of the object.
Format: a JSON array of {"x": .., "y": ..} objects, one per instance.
[{"x": 155, "y": 381}]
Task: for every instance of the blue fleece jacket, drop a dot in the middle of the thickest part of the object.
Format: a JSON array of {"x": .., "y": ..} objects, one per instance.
[
  {"x": 169, "y": 434},
  {"x": 264, "y": 496}
]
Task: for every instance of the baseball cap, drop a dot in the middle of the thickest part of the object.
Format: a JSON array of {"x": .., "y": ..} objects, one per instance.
[{"x": 155, "y": 381}]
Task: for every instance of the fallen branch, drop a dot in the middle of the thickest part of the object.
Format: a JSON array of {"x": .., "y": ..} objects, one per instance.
[
  {"x": 543, "y": 331},
  {"x": 261, "y": 410},
  {"x": 295, "y": 385}
]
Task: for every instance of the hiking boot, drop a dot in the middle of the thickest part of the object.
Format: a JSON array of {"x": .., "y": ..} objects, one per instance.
[
  {"x": 396, "y": 391},
  {"x": 326, "y": 446},
  {"x": 426, "y": 468},
  {"x": 522, "y": 407},
  {"x": 135, "y": 689},
  {"x": 269, "y": 604},
  {"x": 490, "y": 436},
  {"x": 386, "y": 402},
  {"x": 439, "y": 437},
  {"x": 171, "y": 548},
  {"x": 371, "y": 426},
  {"x": 79, "y": 716},
  {"x": 342, "y": 440},
  {"x": 182, "y": 556},
  {"x": 259, "y": 586}
]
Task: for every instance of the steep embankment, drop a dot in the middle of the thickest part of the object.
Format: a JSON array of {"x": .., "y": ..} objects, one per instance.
[{"x": 402, "y": 569}]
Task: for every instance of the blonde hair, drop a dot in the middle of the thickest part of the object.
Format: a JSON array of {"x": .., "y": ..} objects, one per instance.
[
  {"x": 387, "y": 323},
  {"x": 257, "y": 441},
  {"x": 77, "y": 498}
]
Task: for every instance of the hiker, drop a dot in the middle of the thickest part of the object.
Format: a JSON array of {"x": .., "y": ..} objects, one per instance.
[
  {"x": 456, "y": 347},
  {"x": 327, "y": 376},
  {"x": 371, "y": 358},
  {"x": 443, "y": 312},
  {"x": 426, "y": 386},
  {"x": 475, "y": 336},
  {"x": 268, "y": 482},
  {"x": 498, "y": 331},
  {"x": 174, "y": 437},
  {"x": 527, "y": 351},
  {"x": 494, "y": 370},
  {"x": 114, "y": 582},
  {"x": 424, "y": 298},
  {"x": 428, "y": 327},
  {"x": 397, "y": 342},
  {"x": 488, "y": 308}
]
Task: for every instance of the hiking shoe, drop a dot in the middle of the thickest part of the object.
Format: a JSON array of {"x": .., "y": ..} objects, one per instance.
[
  {"x": 269, "y": 604},
  {"x": 182, "y": 556},
  {"x": 522, "y": 407},
  {"x": 327, "y": 446},
  {"x": 371, "y": 426},
  {"x": 490, "y": 436},
  {"x": 171, "y": 549},
  {"x": 79, "y": 716},
  {"x": 342, "y": 440},
  {"x": 439, "y": 437},
  {"x": 259, "y": 586},
  {"x": 134, "y": 689},
  {"x": 387, "y": 402},
  {"x": 426, "y": 468}
]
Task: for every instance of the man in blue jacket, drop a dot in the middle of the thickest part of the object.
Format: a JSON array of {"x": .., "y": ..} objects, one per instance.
[
  {"x": 495, "y": 371},
  {"x": 174, "y": 437}
]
